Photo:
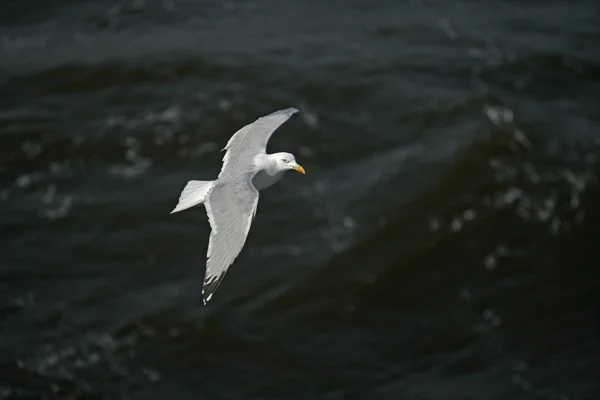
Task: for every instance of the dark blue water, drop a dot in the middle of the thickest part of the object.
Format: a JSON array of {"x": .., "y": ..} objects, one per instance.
[{"x": 442, "y": 245}]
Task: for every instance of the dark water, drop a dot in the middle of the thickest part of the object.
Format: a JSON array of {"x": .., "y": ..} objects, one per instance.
[{"x": 443, "y": 244}]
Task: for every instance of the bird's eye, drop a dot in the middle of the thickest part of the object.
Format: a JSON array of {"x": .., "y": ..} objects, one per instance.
[{"x": 285, "y": 160}]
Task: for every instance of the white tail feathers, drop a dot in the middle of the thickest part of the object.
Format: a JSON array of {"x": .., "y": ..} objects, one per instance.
[{"x": 193, "y": 194}]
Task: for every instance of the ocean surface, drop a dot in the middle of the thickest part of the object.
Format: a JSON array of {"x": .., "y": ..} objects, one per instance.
[{"x": 443, "y": 244}]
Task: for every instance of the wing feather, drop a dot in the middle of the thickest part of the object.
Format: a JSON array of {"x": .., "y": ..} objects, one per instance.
[{"x": 231, "y": 207}]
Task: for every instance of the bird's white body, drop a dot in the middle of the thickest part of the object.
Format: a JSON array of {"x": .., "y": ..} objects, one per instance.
[
  {"x": 270, "y": 172},
  {"x": 232, "y": 198}
]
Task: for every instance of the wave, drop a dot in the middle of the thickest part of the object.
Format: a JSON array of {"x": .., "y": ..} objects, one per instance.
[
  {"x": 74, "y": 77},
  {"x": 547, "y": 74},
  {"x": 500, "y": 204}
]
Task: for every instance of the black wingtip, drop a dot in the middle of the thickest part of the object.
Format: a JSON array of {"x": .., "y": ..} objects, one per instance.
[
  {"x": 206, "y": 295},
  {"x": 210, "y": 287},
  {"x": 206, "y": 298}
]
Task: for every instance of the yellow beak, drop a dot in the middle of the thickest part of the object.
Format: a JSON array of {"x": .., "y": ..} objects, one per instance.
[{"x": 298, "y": 168}]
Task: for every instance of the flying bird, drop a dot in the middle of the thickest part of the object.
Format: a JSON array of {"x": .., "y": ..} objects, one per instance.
[{"x": 231, "y": 200}]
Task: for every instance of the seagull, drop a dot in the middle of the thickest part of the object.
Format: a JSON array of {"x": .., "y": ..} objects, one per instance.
[{"x": 231, "y": 200}]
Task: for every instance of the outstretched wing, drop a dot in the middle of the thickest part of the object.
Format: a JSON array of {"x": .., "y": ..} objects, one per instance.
[
  {"x": 231, "y": 206},
  {"x": 250, "y": 141}
]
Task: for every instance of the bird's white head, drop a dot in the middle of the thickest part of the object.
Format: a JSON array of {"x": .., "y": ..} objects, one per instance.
[{"x": 286, "y": 161}]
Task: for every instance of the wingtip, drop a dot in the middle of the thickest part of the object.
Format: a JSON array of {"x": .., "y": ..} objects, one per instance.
[
  {"x": 206, "y": 299},
  {"x": 286, "y": 111}
]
